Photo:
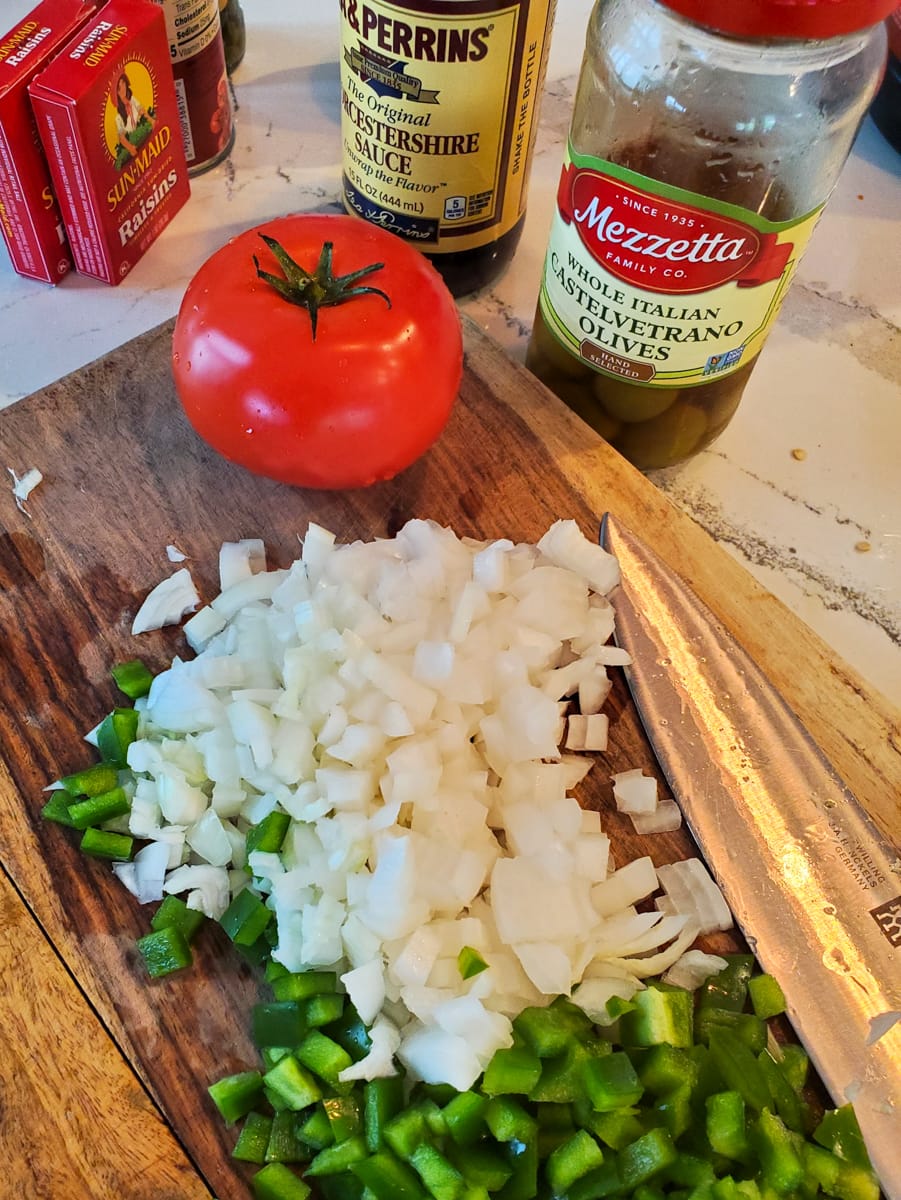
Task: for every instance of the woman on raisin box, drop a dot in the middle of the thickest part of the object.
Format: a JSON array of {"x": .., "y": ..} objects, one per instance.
[{"x": 131, "y": 117}]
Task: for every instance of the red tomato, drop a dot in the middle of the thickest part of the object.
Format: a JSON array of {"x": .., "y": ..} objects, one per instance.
[{"x": 357, "y": 403}]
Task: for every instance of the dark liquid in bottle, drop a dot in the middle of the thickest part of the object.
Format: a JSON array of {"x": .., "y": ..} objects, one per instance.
[{"x": 466, "y": 271}]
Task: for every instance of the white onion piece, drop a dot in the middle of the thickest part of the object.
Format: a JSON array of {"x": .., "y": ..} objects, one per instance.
[
  {"x": 693, "y": 968},
  {"x": 167, "y": 603},
  {"x": 666, "y": 817}
]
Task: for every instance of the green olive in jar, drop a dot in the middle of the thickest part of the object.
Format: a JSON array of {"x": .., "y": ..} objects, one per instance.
[
  {"x": 548, "y": 358},
  {"x": 666, "y": 440},
  {"x": 631, "y": 402},
  {"x": 582, "y": 401}
]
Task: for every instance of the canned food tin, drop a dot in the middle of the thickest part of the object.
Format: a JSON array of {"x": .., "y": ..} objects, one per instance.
[{"x": 197, "y": 52}]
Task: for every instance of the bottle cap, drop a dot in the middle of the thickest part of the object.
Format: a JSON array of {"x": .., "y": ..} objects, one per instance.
[{"x": 785, "y": 18}]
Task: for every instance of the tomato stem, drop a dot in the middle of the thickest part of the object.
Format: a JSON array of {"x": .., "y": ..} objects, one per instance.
[{"x": 320, "y": 288}]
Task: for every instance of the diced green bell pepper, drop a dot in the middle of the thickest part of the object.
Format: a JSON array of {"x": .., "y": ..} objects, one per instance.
[
  {"x": 612, "y": 1082},
  {"x": 578, "y": 1155},
  {"x": 253, "y": 1139},
  {"x": 278, "y": 1182},
  {"x": 235, "y": 1095},
  {"x": 132, "y": 678},
  {"x": 174, "y": 912}
]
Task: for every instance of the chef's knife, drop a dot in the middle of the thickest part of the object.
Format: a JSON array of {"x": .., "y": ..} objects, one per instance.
[{"x": 811, "y": 882}]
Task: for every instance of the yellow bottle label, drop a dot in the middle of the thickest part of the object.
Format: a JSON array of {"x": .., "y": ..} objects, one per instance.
[
  {"x": 438, "y": 115},
  {"x": 657, "y": 285}
]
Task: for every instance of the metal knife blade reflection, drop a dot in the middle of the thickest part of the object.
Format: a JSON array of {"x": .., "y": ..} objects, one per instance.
[{"x": 809, "y": 879}]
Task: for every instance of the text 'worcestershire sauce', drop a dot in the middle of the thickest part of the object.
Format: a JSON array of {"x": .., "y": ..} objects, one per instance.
[{"x": 439, "y": 106}]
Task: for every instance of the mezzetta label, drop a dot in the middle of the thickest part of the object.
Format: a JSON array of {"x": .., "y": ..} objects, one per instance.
[{"x": 657, "y": 284}]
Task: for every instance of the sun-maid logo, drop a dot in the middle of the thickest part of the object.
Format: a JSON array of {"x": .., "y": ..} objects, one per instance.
[
  {"x": 664, "y": 245},
  {"x": 129, "y": 116}
]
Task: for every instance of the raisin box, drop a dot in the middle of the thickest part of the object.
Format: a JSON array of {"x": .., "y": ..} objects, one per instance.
[
  {"x": 107, "y": 116},
  {"x": 29, "y": 215}
]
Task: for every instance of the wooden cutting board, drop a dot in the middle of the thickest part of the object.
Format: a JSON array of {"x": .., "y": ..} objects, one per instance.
[{"x": 104, "y": 1074}]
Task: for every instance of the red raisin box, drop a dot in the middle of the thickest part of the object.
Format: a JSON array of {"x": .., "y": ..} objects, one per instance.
[
  {"x": 108, "y": 118},
  {"x": 29, "y": 215}
]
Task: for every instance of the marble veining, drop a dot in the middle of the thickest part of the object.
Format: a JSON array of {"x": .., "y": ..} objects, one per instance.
[{"x": 802, "y": 488}]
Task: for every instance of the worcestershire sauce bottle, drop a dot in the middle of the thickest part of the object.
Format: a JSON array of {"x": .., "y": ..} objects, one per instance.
[{"x": 439, "y": 113}]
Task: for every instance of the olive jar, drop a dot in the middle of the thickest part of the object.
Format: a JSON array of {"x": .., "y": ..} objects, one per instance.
[{"x": 705, "y": 140}]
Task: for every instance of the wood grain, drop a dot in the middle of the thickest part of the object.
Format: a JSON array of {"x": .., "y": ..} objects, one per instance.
[
  {"x": 125, "y": 476},
  {"x": 74, "y": 1120}
]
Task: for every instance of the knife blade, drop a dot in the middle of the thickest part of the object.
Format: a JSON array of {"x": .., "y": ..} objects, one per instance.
[{"x": 810, "y": 881}]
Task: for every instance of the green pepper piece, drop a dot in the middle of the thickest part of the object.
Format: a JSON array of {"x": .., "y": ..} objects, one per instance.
[
  {"x": 275, "y": 970},
  {"x": 316, "y": 1130},
  {"x": 278, "y": 1182},
  {"x": 767, "y": 997},
  {"x": 658, "y": 1016},
  {"x": 253, "y": 1139},
  {"x": 441, "y": 1177},
  {"x": 509, "y": 1121},
  {"x": 781, "y": 1163},
  {"x": 340, "y": 1157},
  {"x": 514, "y": 1070},
  {"x": 273, "y": 1054},
  {"x": 382, "y": 1100},
  {"x": 323, "y": 1009},
  {"x": 577, "y": 1156},
  {"x": 407, "y": 1130},
  {"x": 605, "y": 1180},
  {"x": 93, "y": 781},
  {"x": 299, "y": 985},
  {"x": 470, "y": 963},
  {"x": 245, "y": 918},
  {"x": 57, "y": 808},
  {"x": 612, "y": 1082},
  {"x": 174, "y": 912},
  {"x": 387, "y": 1178},
  {"x": 616, "y": 1128},
  {"x": 785, "y": 1101},
  {"x": 344, "y": 1116},
  {"x": 644, "y": 1158},
  {"x": 341, "y": 1187},
  {"x": 550, "y": 1031},
  {"x": 725, "y": 1125},
  {"x": 523, "y": 1181},
  {"x": 794, "y": 1064},
  {"x": 94, "y": 810},
  {"x": 325, "y": 1058},
  {"x": 729, "y": 987},
  {"x": 839, "y": 1132},
  {"x": 663, "y": 1068},
  {"x": 132, "y": 678},
  {"x": 739, "y": 1068},
  {"x": 164, "y": 951},
  {"x": 675, "y": 1110},
  {"x": 115, "y": 734},
  {"x": 268, "y": 834},
  {"x": 278, "y": 1023},
  {"x": 481, "y": 1165},
  {"x": 284, "y": 1146},
  {"x": 464, "y": 1117},
  {"x": 293, "y": 1083},
  {"x": 101, "y": 843},
  {"x": 749, "y": 1028},
  {"x": 235, "y": 1095},
  {"x": 350, "y": 1033}
]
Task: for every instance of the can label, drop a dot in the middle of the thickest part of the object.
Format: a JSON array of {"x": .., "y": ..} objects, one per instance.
[
  {"x": 659, "y": 285},
  {"x": 194, "y": 30},
  {"x": 438, "y": 118}
]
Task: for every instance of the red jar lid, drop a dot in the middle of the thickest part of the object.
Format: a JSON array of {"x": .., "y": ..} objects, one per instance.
[{"x": 784, "y": 18}]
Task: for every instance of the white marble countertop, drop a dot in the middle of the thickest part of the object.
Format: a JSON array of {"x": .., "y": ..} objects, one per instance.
[{"x": 823, "y": 532}]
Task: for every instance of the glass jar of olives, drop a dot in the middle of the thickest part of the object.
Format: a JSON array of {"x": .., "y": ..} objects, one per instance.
[{"x": 705, "y": 140}]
